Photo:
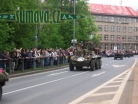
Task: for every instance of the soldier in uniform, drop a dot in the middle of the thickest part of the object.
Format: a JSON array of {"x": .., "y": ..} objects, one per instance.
[{"x": 79, "y": 50}]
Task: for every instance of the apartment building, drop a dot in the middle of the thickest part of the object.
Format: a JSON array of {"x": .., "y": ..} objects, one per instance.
[{"x": 118, "y": 26}]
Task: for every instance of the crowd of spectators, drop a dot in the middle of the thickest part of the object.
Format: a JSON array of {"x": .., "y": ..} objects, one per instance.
[
  {"x": 111, "y": 53},
  {"x": 21, "y": 59}
]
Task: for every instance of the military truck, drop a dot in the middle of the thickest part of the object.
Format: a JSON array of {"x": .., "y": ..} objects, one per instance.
[
  {"x": 128, "y": 53},
  {"x": 118, "y": 54},
  {"x": 87, "y": 55},
  {"x": 3, "y": 78}
]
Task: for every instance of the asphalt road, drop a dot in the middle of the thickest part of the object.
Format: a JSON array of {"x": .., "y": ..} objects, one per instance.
[{"x": 63, "y": 86}]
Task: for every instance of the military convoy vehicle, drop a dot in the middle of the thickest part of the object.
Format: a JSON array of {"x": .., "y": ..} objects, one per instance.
[
  {"x": 118, "y": 55},
  {"x": 3, "y": 78},
  {"x": 86, "y": 55},
  {"x": 128, "y": 54}
]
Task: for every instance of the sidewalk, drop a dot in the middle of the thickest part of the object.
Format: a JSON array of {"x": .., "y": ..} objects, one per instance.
[
  {"x": 36, "y": 71},
  {"x": 130, "y": 93},
  {"x": 135, "y": 88}
]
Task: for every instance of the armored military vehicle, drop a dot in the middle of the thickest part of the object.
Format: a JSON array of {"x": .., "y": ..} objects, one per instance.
[
  {"x": 86, "y": 55},
  {"x": 118, "y": 55},
  {"x": 3, "y": 78}
]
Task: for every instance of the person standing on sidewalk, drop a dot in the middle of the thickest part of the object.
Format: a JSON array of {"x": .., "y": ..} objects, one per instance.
[{"x": 3, "y": 59}]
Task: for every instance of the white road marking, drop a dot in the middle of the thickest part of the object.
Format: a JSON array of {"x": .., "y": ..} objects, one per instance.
[
  {"x": 99, "y": 102},
  {"x": 111, "y": 86},
  {"x": 120, "y": 90},
  {"x": 96, "y": 89},
  {"x": 116, "y": 81},
  {"x": 98, "y": 74},
  {"x": 99, "y": 94},
  {"x": 57, "y": 73},
  {"x": 118, "y": 65},
  {"x": 102, "y": 86},
  {"x": 38, "y": 73},
  {"x": 106, "y": 64},
  {"x": 42, "y": 84},
  {"x": 122, "y": 86}
]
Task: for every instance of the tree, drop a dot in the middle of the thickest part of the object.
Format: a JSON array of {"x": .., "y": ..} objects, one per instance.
[
  {"x": 13, "y": 34},
  {"x": 96, "y": 39}
]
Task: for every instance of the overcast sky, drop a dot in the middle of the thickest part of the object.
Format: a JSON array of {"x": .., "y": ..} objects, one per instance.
[{"x": 129, "y": 3}]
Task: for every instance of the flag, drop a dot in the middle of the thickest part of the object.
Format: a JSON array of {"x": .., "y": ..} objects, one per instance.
[{"x": 119, "y": 39}]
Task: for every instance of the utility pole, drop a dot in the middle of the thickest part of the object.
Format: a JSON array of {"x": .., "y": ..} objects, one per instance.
[
  {"x": 36, "y": 28},
  {"x": 74, "y": 24}
]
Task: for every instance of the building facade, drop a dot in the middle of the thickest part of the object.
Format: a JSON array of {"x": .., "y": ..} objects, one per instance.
[{"x": 118, "y": 26}]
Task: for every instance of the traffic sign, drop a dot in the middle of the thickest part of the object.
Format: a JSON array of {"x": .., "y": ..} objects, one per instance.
[
  {"x": 7, "y": 16},
  {"x": 70, "y": 16}
]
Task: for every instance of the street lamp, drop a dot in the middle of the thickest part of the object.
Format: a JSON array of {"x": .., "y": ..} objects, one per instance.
[
  {"x": 36, "y": 28},
  {"x": 74, "y": 25}
]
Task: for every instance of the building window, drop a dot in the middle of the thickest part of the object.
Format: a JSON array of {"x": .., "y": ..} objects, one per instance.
[
  {"x": 112, "y": 37},
  {"x": 106, "y": 46},
  {"x": 106, "y": 37},
  {"x": 129, "y": 20},
  {"x": 124, "y": 28},
  {"x": 112, "y": 28},
  {"x": 135, "y": 29},
  {"x": 106, "y": 18},
  {"x": 124, "y": 37},
  {"x": 135, "y": 38},
  {"x": 118, "y": 28},
  {"x": 112, "y": 19},
  {"x": 118, "y": 19},
  {"x": 118, "y": 46},
  {"x": 112, "y": 46},
  {"x": 118, "y": 37},
  {"x": 129, "y": 38},
  {"x": 124, "y": 20},
  {"x": 124, "y": 46},
  {"x": 135, "y": 20},
  {"x": 99, "y": 18},
  {"x": 100, "y": 27},
  {"x": 135, "y": 46},
  {"x": 129, "y": 29},
  {"x": 105, "y": 28}
]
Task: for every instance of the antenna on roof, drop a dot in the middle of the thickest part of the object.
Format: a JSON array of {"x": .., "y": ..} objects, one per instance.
[{"x": 121, "y": 2}]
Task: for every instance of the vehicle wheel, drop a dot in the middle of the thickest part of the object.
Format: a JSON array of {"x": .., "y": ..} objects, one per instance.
[
  {"x": 92, "y": 66},
  {"x": 114, "y": 58},
  {"x": 100, "y": 64},
  {"x": 97, "y": 65},
  {"x": 80, "y": 67},
  {"x": 71, "y": 66},
  {"x": 77, "y": 68},
  {"x": 0, "y": 92}
]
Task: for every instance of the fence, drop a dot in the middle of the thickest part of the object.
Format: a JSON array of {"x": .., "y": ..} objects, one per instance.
[{"x": 31, "y": 63}]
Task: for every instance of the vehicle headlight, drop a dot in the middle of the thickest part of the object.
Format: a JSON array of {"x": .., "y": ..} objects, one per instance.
[{"x": 80, "y": 59}]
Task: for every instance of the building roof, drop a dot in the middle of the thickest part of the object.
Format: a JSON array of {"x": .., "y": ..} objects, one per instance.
[{"x": 112, "y": 9}]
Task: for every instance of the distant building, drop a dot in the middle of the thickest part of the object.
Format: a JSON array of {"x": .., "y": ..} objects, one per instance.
[{"x": 118, "y": 26}]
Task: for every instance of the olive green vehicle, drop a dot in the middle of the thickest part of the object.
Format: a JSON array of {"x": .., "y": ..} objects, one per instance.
[
  {"x": 118, "y": 55},
  {"x": 3, "y": 78},
  {"x": 85, "y": 57}
]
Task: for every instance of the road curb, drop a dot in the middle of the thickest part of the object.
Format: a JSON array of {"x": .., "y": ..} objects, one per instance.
[
  {"x": 37, "y": 71},
  {"x": 135, "y": 88}
]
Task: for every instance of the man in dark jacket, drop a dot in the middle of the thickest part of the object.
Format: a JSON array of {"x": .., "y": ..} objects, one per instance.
[{"x": 3, "y": 57}]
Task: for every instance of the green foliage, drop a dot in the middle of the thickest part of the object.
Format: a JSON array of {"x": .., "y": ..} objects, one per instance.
[
  {"x": 49, "y": 35},
  {"x": 96, "y": 39}
]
